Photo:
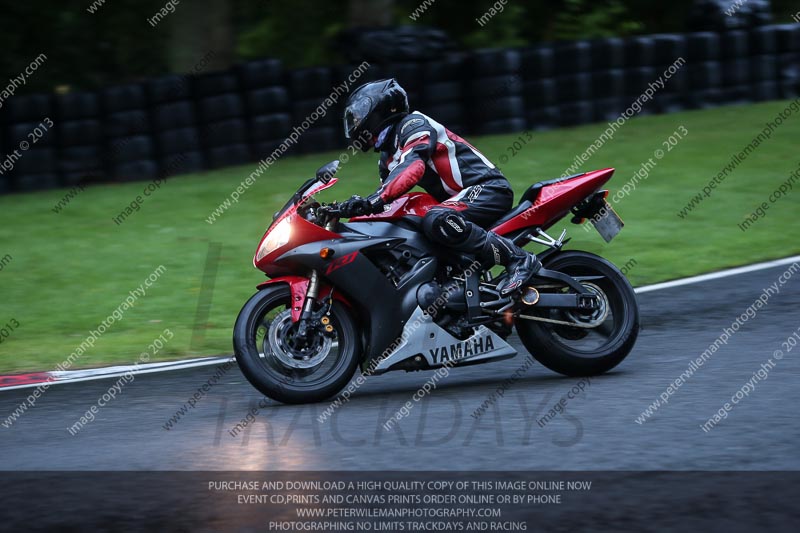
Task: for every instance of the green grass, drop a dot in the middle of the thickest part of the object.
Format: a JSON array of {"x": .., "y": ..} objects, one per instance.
[{"x": 70, "y": 270}]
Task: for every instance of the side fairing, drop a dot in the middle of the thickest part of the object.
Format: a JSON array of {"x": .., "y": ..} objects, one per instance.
[{"x": 384, "y": 305}]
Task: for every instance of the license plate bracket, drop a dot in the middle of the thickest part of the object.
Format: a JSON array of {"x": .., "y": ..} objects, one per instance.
[{"x": 606, "y": 221}]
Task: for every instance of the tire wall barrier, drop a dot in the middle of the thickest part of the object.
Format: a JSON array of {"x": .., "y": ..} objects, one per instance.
[{"x": 178, "y": 124}]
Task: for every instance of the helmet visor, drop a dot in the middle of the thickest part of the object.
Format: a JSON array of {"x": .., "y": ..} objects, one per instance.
[{"x": 355, "y": 114}]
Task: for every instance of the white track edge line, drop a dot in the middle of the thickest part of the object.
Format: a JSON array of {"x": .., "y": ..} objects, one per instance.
[
  {"x": 718, "y": 275},
  {"x": 151, "y": 368},
  {"x": 102, "y": 373}
]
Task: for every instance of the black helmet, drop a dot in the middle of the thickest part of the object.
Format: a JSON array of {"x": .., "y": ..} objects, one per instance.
[{"x": 374, "y": 106}]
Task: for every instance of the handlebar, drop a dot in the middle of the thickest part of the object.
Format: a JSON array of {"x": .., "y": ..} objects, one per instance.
[{"x": 331, "y": 210}]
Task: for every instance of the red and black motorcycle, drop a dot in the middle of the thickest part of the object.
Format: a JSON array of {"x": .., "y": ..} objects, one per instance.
[{"x": 374, "y": 293}]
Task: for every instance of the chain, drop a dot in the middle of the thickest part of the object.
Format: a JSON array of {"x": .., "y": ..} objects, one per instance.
[{"x": 559, "y": 322}]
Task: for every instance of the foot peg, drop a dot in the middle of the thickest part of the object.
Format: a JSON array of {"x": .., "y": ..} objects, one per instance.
[{"x": 519, "y": 272}]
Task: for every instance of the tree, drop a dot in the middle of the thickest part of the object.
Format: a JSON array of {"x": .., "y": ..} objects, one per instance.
[
  {"x": 197, "y": 29},
  {"x": 370, "y": 13}
]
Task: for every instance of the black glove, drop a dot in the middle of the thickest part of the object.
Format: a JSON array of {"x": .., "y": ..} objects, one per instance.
[
  {"x": 376, "y": 203},
  {"x": 355, "y": 207}
]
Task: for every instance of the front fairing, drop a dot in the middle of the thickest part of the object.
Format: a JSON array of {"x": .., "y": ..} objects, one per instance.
[
  {"x": 300, "y": 231},
  {"x": 306, "y": 191}
]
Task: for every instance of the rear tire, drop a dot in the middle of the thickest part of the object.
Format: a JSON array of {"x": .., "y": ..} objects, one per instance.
[
  {"x": 558, "y": 348},
  {"x": 264, "y": 364}
]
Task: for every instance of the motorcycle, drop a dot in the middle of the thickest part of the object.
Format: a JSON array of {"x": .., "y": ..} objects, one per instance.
[{"x": 373, "y": 293}]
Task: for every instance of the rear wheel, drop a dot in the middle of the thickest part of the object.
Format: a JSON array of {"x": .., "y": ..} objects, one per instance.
[
  {"x": 277, "y": 364},
  {"x": 612, "y": 331}
]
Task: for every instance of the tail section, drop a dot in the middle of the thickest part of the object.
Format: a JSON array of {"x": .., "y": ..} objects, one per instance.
[{"x": 547, "y": 202}]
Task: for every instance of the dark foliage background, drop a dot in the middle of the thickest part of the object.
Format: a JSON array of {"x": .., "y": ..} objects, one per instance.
[{"x": 116, "y": 44}]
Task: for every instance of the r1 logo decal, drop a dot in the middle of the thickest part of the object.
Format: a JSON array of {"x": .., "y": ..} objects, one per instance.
[{"x": 342, "y": 261}]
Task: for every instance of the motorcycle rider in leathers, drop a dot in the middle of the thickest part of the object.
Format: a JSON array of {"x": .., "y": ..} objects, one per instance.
[{"x": 417, "y": 150}]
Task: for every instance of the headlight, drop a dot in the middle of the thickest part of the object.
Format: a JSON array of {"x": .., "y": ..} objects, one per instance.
[{"x": 277, "y": 237}]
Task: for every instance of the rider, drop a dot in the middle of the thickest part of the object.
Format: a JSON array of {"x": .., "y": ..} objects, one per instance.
[{"x": 417, "y": 150}]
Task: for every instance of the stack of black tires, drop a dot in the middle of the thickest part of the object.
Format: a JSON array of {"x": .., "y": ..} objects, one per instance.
[
  {"x": 775, "y": 61},
  {"x": 494, "y": 92},
  {"x": 267, "y": 104},
  {"x": 80, "y": 139},
  {"x": 308, "y": 89},
  {"x": 177, "y": 139},
  {"x": 178, "y": 124},
  {"x": 442, "y": 95},
  {"x": 33, "y": 165},
  {"x": 129, "y": 141},
  {"x": 222, "y": 120},
  {"x": 585, "y": 81}
]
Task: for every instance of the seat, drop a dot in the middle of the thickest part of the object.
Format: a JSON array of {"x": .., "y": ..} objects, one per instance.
[
  {"x": 533, "y": 192},
  {"x": 523, "y": 205}
]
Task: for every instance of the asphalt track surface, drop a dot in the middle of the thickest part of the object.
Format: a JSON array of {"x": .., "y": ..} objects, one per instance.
[{"x": 597, "y": 432}]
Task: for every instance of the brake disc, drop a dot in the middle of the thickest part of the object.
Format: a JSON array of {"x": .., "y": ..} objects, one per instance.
[{"x": 279, "y": 341}]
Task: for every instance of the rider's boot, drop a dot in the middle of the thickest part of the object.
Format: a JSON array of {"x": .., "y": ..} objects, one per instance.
[{"x": 520, "y": 265}]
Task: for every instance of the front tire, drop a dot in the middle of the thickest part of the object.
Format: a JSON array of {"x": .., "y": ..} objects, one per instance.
[
  {"x": 263, "y": 344},
  {"x": 576, "y": 351}
]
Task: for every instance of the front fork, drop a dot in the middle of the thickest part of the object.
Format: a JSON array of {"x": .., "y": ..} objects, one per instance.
[
  {"x": 306, "y": 323},
  {"x": 306, "y": 316},
  {"x": 308, "y": 319}
]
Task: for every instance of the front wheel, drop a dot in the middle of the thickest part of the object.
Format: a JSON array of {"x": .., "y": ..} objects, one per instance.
[
  {"x": 577, "y": 351},
  {"x": 274, "y": 362}
]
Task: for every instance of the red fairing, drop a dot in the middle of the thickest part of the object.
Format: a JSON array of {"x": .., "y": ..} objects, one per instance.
[
  {"x": 302, "y": 232},
  {"x": 299, "y": 287},
  {"x": 555, "y": 201},
  {"x": 415, "y": 204}
]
